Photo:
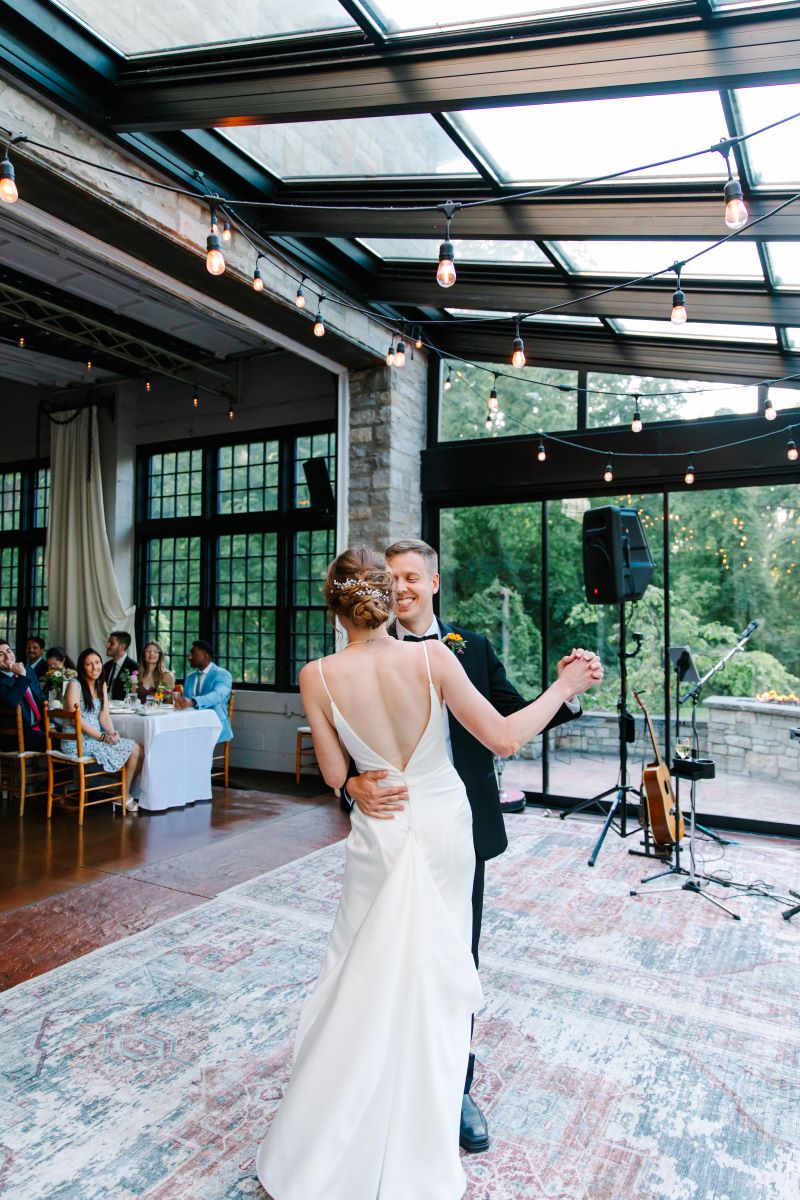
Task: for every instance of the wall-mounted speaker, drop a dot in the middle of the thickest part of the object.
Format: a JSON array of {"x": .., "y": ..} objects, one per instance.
[
  {"x": 319, "y": 485},
  {"x": 617, "y": 563}
]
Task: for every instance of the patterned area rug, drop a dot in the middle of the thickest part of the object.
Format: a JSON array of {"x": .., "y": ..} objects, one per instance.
[{"x": 630, "y": 1049}]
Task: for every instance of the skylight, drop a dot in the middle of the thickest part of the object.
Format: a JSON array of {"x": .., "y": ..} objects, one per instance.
[
  {"x": 773, "y": 155},
  {"x": 733, "y": 260},
  {"x": 784, "y": 258},
  {"x": 466, "y": 250},
  {"x": 696, "y": 329},
  {"x": 414, "y": 16}
]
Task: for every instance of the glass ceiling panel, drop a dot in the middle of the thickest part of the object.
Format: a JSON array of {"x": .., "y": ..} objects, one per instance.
[
  {"x": 466, "y": 250},
  {"x": 793, "y": 337},
  {"x": 772, "y": 156},
  {"x": 696, "y": 329},
  {"x": 731, "y": 5},
  {"x": 141, "y": 26},
  {"x": 357, "y": 148},
  {"x": 552, "y": 318},
  {"x": 733, "y": 260},
  {"x": 411, "y": 16},
  {"x": 554, "y": 143},
  {"x": 784, "y": 258}
]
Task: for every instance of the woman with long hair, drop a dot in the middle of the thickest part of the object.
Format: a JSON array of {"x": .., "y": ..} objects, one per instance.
[
  {"x": 153, "y": 675},
  {"x": 101, "y": 740},
  {"x": 58, "y": 659},
  {"x": 373, "y": 1107}
]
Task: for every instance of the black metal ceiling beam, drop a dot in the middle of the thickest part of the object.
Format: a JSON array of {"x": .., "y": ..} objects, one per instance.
[
  {"x": 571, "y": 217},
  {"x": 357, "y": 81},
  {"x": 521, "y": 289},
  {"x": 599, "y": 350}
]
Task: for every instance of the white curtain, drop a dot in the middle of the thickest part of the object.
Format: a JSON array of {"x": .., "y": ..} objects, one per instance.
[{"x": 83, "y": 595}]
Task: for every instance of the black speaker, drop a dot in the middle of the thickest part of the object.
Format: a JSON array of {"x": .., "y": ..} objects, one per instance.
[
  {"x": 319, "y": 485},
  {"x": 617, "y": 563}
]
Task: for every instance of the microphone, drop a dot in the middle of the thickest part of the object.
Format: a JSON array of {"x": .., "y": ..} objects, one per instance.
[{"x": 751, "y": 628}]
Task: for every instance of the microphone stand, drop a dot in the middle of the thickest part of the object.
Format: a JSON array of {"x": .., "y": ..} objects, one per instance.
[{"x": 694, "y": 769}]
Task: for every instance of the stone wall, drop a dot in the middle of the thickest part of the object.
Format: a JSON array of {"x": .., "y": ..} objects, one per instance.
[{"x": 597, "y": 733}]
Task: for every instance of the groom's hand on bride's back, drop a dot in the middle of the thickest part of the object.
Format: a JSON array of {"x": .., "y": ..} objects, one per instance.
[{"x": 373, "y": 798}]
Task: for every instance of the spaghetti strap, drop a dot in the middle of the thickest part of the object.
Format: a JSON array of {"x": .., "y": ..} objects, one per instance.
[
  {"x": 427, "y": 663},
  {"x": 322, "y": 677}
]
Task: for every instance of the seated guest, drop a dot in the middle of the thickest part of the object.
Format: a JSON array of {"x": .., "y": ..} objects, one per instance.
[
  {"x": 59, "y": 660},
  {"x": 114, "y": 670},
  {"x": 100, "y": 739},
  {"x": 153, "y": 675},
  {"x": 207, "y": 686},
  {"x": 34, "y": 653},
  {"x": 19, "y": 688}
]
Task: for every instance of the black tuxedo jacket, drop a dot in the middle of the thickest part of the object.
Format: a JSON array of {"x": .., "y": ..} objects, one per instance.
[
  {"x": 472, "y": 760},
  {"x": 12, "y": 694},
  {"x": 117, "y": 691}
]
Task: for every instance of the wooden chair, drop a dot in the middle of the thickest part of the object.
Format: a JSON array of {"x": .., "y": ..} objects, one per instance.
[
  {"x": 18, "y": 761},
  {"x": 303, "y": 754},
  {"x": 224, "y": 755},
  {"x": 67, "y": 774}
]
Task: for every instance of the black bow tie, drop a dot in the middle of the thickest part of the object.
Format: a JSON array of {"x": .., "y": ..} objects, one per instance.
[{"x": 428, "y": 637}]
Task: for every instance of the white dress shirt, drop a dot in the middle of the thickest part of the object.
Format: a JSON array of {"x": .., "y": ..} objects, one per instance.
[{"x": 201, "y": 678}]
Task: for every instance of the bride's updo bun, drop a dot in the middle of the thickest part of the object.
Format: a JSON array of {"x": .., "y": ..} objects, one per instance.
[{"x": 359, "y": 586}]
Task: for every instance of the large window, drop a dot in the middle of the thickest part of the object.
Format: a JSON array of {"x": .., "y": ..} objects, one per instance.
[
  {"x": 24, "y": 508},
  {"x": 230, "y": 549}
]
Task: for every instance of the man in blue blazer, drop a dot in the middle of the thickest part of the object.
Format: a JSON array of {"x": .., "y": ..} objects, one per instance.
[
  {"x": 19, "y": 688},
  {"x": 207, "y": 686}
]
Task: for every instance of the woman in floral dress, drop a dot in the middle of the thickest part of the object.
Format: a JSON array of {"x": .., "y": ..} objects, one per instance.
[{"x": 101, "y": 740}]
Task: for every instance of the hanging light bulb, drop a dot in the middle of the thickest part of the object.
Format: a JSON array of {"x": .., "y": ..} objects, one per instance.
[
  {"x": 215, "y": 263},
  {"x": 448, "y": 383},
  {"x": 319, "y": 324},
  {"x": 230, "y": 410},
  {"x": 446, "y": 271},
  {"x": 148, "y": 387},
  {"x": 258, "y": 282},
  {"x": 494, "y": 403},
  {"x": 417, "y": 338},
  {"x": 689, "y": 476},
  {"x": 21, "y": 342},
  {"x": 400, "y": 354},
  {"x": 769, "y": 410},
  {"x": 518, "y": 355},
  {"x": 8, "y": 185},
  {"x": 487, "y": 424},
  {"x": 735, "y": 208},
  {"x": 608, "y": 474},
  {"x": 500, "y": 419},
  {"x": 679, "y": 314},
  {"x": 636, "y": 423},
  {"x": 541, "y": 453},
  {"x": 227, "y": 232},
  {"x": 300, "y": 299},
  {"x": 88, "y": 364},
  {"x": 791, "y": 450},
  {"x": 390, "y": 355},
  {"x": 195, "y": 400}
]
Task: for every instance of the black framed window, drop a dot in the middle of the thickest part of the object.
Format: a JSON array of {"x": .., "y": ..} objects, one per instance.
[
  {"x": 230, "y": 549},
  {"x": 24, "y": 511}
]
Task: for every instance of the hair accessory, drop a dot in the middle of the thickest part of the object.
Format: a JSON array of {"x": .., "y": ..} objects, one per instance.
[{"x": 363, "y": 590}]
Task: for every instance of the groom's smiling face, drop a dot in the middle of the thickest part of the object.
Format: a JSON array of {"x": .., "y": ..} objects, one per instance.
[{"x": 414, "y": 587}]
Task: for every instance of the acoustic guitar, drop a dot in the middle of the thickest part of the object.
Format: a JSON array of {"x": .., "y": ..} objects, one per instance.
[{"x": 657, "y": 787}]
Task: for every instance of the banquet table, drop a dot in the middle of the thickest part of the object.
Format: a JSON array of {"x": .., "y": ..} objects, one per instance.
[{"x": 178, "y": 747}]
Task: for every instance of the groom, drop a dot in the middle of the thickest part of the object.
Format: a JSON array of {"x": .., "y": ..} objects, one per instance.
[{"x": 415, "y": 568}]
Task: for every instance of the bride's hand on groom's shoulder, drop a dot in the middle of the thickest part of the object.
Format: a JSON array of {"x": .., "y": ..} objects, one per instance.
[
  {"x": 579, "y": 670},
  {"x": 375, "y": 799}
]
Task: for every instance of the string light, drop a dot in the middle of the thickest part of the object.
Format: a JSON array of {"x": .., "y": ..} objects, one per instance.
[
  {"x": 679, "y": 314},
  {"x": 494, "y": 403},
  {"x": 736, "y": 213},
  {"x": 21, "y": 342},
  {"x": 417, "y": 334},
  {"x": 448, "y": 383},
  {"x": 636, "y": 423},
  {"x": 769, "y": 410},
  {"x": 8, "y": 185},
  {"x": 689, "y": 476},
  {"x": 446, "y": 271},
  {"x": 608, "y": 474},
  {"x": 195, "y": 399},
  {"x": 231, "y": 413},
  {"x": 88, "y": 364},
  {"x": 319, "y": 324},
  {"x": 215, "y": 263},
  {"x": 227, "y": 232},
  {"x": 518, "y": 355},
  {"x": 541, "y": 453},
  {"x": 258, "y": 282},
  {"x": 487, "y": 424},
  {"x": 300, "y": 299},
  {"x": 791, "y": 450},
  {"x": 390, "y": 355},
  {"x": 148, "y": 387},
  {"x": 400, "y": 351}
]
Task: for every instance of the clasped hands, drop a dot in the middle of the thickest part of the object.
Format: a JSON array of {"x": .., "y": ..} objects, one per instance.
[{"x": 579, "y": 669}]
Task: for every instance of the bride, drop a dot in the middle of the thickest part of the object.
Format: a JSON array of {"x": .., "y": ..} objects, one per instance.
[{"x": 373, "y": 1106}]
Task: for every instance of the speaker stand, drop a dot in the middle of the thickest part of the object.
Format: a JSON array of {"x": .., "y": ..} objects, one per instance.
[{"x": 622, "y": 788}]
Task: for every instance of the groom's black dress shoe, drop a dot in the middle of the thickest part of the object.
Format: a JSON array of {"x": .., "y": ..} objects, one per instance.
[{"x": 474, "y": 1135}]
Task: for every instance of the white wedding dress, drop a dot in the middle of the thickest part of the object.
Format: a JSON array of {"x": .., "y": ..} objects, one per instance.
[{"x": 373, "y": 1106}]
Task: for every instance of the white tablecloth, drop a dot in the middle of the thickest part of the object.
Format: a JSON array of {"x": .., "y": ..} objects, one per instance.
[{"x": 178, "y": 747}]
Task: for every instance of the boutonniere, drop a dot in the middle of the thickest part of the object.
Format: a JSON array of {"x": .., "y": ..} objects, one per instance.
[{"x": 454, "y": 642}]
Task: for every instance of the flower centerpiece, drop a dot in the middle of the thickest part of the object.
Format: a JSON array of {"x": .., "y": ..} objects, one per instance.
[
  {"x": 54, "y": 681},
  {"x": 130, "y": 681},
  {"x": 455, "y": 642}
]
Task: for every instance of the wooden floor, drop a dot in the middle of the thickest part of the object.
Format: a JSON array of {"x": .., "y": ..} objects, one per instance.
[{"x": 65, "y": 891}]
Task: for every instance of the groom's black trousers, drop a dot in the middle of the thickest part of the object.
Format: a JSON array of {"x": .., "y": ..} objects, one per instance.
[{"x": 477, "y": 918}]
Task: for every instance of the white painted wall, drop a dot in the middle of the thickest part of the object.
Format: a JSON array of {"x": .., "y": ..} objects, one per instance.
[{"x": 265, "y": 729}]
